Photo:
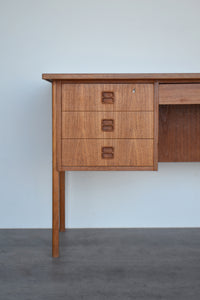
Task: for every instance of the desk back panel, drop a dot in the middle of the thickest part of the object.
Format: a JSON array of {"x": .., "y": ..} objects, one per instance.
[{"x": 179, "y": 132}]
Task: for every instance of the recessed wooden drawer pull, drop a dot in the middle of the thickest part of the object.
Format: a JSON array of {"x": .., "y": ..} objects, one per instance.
[
  {"x": 107, "y": 125},
  {"x": 107, "y": 155},
  {"x": 107, "y": 94},
  {"x": 107, "y": 97},
  {"x": 107, "y": 152},
  {"x": 107, "y": 149}
]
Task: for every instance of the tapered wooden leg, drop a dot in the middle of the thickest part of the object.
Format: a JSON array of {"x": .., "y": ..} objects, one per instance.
[{"x": 62, "y": 201}]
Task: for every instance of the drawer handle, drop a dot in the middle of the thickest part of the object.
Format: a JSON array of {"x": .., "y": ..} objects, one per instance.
[
  {"x": 107, "y": 125},
  {"x": 107, "y": 152},
  {"x": 107, "y": 97},
  {"x": 107, "y": 155}
]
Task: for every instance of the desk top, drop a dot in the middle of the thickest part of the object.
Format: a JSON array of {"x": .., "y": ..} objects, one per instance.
[{"x": 162, "y": 77}]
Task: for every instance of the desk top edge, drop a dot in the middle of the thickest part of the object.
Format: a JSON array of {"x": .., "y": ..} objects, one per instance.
[{"x": 121, "y": 76}]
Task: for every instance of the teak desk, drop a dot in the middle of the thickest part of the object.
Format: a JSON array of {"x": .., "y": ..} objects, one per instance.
[{"x": 120, "y": 122}]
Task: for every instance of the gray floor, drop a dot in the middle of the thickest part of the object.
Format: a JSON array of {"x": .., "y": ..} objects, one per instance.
[{"x": 101, "y": 264}]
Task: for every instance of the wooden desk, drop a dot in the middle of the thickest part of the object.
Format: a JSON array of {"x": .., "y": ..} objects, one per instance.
[{"x": 120, "y": 122}]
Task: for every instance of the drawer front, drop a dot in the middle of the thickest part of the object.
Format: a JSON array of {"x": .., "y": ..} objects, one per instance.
[
  {"x": 107, "y": 124},
  {"x": 107, "y": 97},
  {"x": 179, "y": 93},
  {"x": 101, "y": 152}
]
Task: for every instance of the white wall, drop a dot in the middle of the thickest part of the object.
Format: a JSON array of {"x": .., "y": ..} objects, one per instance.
[{"x": 64, "y": 36}]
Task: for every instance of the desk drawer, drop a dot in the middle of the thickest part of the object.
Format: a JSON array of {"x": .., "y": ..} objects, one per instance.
[
  {"x": 100, "y": 152},
  {"x": 179, "y": 93},
  {"x": 107, "y": 97},
  {"x": 107, "y": 124}
]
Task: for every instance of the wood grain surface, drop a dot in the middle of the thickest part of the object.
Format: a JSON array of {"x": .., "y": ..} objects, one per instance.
[
  {"x": 88, "y": 152},
  {"x": 155, "y": 124},
  {"x": 55, "y": 177},
  {"x": 125, "y": 124},
  {"x": 88, "y": 97},
  {"x": 179, "y": 132},
  {"x": 122, "y": 76},
  {"x": 179, "y": 94},
  {"x": 62, "y": 201}
]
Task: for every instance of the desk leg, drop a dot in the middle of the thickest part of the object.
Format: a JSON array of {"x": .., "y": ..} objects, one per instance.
[
  {"x": 55, "y": 221},
  {"x": 55, "y": 181},
  {"x": 62, "y": 201}
]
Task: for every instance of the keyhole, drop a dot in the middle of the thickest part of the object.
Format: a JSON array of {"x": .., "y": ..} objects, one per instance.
[{"x": 133, "y": 91}]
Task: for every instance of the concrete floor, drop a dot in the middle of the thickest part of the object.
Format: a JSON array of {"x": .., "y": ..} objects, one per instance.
[{"x": 101, "y": 264}]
